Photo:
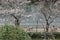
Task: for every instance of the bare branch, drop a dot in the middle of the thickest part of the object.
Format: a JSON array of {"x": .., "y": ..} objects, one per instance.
[
  {"x": 53, "y": 18},
  {"x": 13, "y": 16}
]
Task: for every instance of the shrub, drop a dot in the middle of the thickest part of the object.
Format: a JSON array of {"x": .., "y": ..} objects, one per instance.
[
  {"x": 41, "y": 35},
  {"x": 35, "y": 34},
  {"x": 57, "y": 34},
  {"x": 8, "y": 32}
]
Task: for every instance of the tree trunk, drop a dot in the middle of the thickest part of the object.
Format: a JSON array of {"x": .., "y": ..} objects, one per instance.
[
  {"x": 36, "y": 28},
  {"x": 17, "y": 22},
  {"x": 47, "y": 30}
]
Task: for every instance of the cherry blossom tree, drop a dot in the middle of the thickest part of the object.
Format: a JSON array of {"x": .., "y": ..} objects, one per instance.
[
  {"x": 50, "y": 13},
  {"x": 15, "y": 8}
]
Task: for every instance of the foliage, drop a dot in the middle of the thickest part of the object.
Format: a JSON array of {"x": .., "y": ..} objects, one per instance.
[
  {"x": 39, "y": 35},
  {"x": 57, "y": 34},
  {"x": 8, "y": 32},
  {"x": 35, "y": 35},
  {"x": 33, "y": 1}
]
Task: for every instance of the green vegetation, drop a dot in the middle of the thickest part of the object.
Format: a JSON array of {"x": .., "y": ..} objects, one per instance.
[
  {"x": 35, "y": 35},
  {"x": 41, "y": 39},
  {"x": 8, "y": 32},
  {"x": 57, "y": 35},
  {"x": 37, "y": 39},
  {"x": 33, "y": 1},
  {"x": 39, "y": 35}
]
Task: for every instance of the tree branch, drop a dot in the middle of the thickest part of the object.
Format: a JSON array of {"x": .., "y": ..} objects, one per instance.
[
  {"x": 13, "y": 16},
  {"x": 53, "y": 19}
]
